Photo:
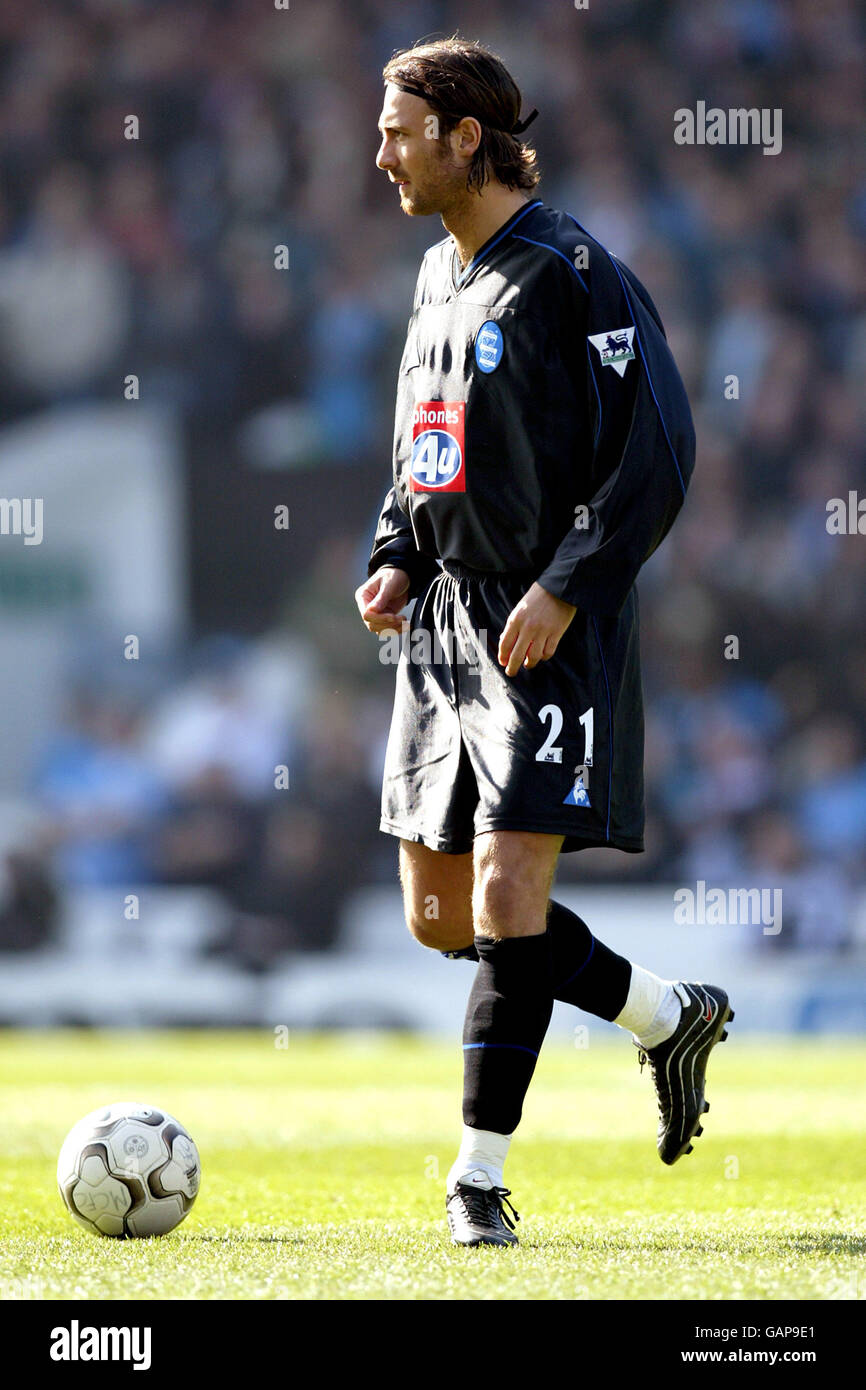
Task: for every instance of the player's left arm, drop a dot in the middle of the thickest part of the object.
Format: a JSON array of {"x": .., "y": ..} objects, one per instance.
[
  {"x": 642, "y": 458},
  {"x": 644, "y": 444}
]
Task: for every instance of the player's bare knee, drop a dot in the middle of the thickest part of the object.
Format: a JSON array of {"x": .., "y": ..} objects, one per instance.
[
  {"x": 506, "y": 902},
  {"x": 448, "y": 935},
  {"x": 497, "y": 905},
  {"x": 425, "y": 920},
  {"x": 513, "y": 873},
  {"x": 437, "y": 892},
  {"x": 422, "y": 929}
]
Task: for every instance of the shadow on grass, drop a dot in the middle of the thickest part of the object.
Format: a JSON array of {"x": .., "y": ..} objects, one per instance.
[
  {"x": 831, "y": 1244},
  {"x": 249, "y": 1237},
  {"x": 824, "y": 1243}
]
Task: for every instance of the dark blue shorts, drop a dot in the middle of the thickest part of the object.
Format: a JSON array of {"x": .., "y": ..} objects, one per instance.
[{"x": 557, "y": 750}]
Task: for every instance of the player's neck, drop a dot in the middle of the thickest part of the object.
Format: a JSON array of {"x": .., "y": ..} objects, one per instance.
[{"x": 479, "y": 217}]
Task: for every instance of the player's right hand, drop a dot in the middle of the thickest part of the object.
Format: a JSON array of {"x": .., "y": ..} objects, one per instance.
[{"x": 382, "y": 598}]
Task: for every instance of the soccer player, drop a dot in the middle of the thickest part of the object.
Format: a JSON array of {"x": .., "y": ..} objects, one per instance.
[{"x": 542, "y": 449}]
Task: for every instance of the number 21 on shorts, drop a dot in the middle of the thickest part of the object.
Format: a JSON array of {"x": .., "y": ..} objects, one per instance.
[{"x": 550, "y": 751}]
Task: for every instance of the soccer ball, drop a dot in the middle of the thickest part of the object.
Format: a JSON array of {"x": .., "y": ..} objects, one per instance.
[{"x": 128, "y": 1170}]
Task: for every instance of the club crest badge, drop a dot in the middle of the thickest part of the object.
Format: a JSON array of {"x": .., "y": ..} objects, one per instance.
[
  {"x": 488, "y": 346},
  {"x": 616, "y": 348}
]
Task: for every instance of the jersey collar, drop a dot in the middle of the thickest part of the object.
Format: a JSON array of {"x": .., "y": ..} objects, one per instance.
[{"x": 459, "y": 280}]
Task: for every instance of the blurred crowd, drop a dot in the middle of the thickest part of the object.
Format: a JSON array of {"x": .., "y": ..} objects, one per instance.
[
  {"x": 256, "y": 128},
  {"x": 239, "y": 775}
]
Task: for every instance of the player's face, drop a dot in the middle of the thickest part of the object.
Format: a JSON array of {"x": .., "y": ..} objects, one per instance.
[{"x": 426, "y": 176}]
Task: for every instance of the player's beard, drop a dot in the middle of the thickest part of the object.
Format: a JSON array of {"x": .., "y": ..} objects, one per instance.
[{"x": 441, "y": 189}]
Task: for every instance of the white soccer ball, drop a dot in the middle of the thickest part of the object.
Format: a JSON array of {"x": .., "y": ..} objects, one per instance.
[{"x": 128, "y": 1170}]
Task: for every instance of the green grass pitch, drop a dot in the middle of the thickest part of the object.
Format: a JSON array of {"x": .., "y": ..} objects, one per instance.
[{"x": 324, "y": 1164}]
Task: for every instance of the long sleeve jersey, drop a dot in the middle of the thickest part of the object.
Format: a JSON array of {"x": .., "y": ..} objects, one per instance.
[{"x": 541, "y": 423}]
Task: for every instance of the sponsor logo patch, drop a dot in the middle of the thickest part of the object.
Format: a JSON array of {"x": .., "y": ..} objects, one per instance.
[
  {"x": 615, "y": 348},
  {"x": 438, "y": 461},
  {"x": 489, "y": 346}
]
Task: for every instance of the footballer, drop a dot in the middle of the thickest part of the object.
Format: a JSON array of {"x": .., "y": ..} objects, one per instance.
[{"x": 542, "y": 449}]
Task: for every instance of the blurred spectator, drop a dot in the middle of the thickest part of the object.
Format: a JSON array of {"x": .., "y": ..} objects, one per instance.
[
  {"x": 100, "y": 795},
  {"x": 64, "y": 296},
  {"x": 220, "y": 728},
  {"x": 290, "y": 898},
  {"x": 28, "y": 902},
  {"x": 816, "y": 907}
]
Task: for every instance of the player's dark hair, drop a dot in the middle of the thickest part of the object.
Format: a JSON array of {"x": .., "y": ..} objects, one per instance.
[{"x": 458, "y": 77}]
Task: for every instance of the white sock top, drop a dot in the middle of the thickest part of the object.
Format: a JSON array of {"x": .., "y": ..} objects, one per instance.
[
  {"x": 653, "y": 1007},
  {"x": 482, "y": 1152}
]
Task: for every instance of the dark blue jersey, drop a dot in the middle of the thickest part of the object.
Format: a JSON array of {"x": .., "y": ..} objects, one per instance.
[{"x": 542, "y": 427}]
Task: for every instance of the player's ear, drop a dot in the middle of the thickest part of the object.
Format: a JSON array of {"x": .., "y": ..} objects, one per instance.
[{"x": 466, "y": 136}]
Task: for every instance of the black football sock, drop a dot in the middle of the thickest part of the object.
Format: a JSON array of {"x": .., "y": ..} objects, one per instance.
[
  {"x": 586, "y": 973},
  {"x": 509, "y": 1008}
]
